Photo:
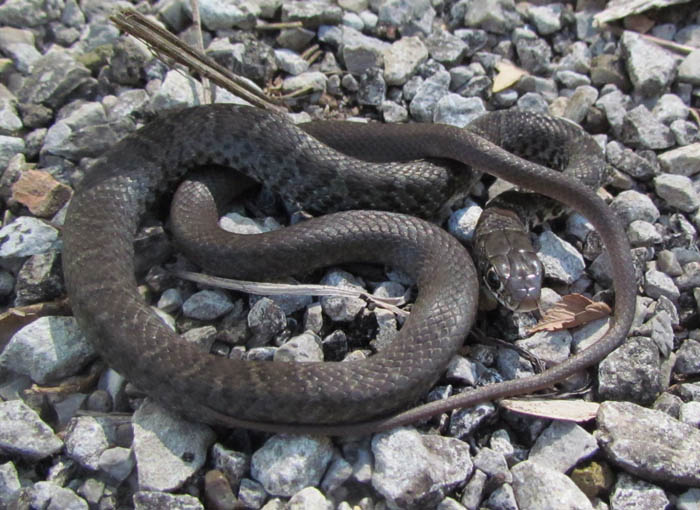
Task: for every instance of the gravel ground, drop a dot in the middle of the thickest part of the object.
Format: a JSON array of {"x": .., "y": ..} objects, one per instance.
[{"x": 72, "y": 86}]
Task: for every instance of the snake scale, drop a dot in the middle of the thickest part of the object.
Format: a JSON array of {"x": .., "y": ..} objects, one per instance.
[{"x": 333, "y": 398}]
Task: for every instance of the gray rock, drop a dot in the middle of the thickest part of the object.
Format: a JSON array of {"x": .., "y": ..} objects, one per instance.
[
  {"x": 372, "y": 89},
  {"x": 154, "y": 500},
  {"x": 339, "y": 471},
  {"x": 532, "y": 102},
  {"x": 690, "y": 413},
  {"x": 24, "y": 434},
  {"x": 402, "y": 59},
  {"x": 632, "y": 205},
  {"x": 170, "y": 300},
  {"x": 571, "y": 79},
  {"x": 309, "y": 498},
  {"x": 552, "y": 347},
  {"x": 685, "y": 132},
  {"x": 650, "y": 67},
  {"x": 10, "y": 122},
  {"x": 630, "y": 492},
  {"x": 48, "y": 349},
  {"x": 50, "y": 495},
  {"x": 428, "y": 94},
  {"x": 353, "y": 20},
  {"x": 251, "y": 494},
  {"x": 677, "y": 191},
  {"x": 628, "y": 161},
  {"x": 640, "y": 129},
  {"x": 537, "y": 486},
  {"x": 290, "y": 61},
  {"x": 546, "y": 18},
  {"x": 503, "y": 497},
  {"x": 82, "y": 131},
  {"x": 498, "y": 16},
  {"x": 688, "y": 358},
  {"x": 462, "y": 222},
  {"x": 301, "y": 348},
  {"x": 29, "y": 13},
  {"x": 176, "y": 91},
  {"x": 265, "y": 320},
  {"x": 563, "y": 445},
  {"x": 690, "y": 277},
  {"x": 615, "y": 105},
  {"x": 410, "y": 17},
  {"x": 449, "y": 504},
  {"x": 494, "y": 465},
  {"x": 117, "y": 463},
  {"x": 234, "y": 465},
  {"x": 658, "y": 284},
  {"x": 445, "y": 47},
  {"x": 474, "y": 490},
  {"x": 20, "y": 47},
  {"x": 458, "y": 111},
  {"x": 54, "y": 77},
  {"x": 462, "y": 371},
  {"x": 168, "y": 449},
  {"x": 86, "y": 439},
  {"x": 312, "y": 13},
  {"x": 689, "y": 35},
  {"x": 207, "y": 305},
  {"x": 415, "y": 471},
  {"x": 670, "y": 107},
  {"x": 475, "y": 39},
  {"x": 632, "y": 372},
  {"x": 222, "y": 15},
  {"x": 40, "y": 279},
  {"x": 9, "y": 147},
  {"x": 580, "y": 102},
  {"x": 560, "y": 260},
  {"x": 577, "y": 58},
  {"x": 342, "y": 309},
  {"x": 689, "y": 69},
  {"x": 270, "y": 464},
  {"x": 642, "y": 233},
  {"x": 681, "y": 161},
  {"x": 649, "y": 444},
  {"x": 314, "y": 80},
  {"x": 534, "y": 54},
  {"x": 313, "y": 317},
  {"x": 9, "y": 483},
  {"x": 689, "y": 500},
  {"x": 464, "y": 422}
]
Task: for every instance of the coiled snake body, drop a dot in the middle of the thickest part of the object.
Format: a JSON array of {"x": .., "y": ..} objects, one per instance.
[{"x": 334, "y": 398}]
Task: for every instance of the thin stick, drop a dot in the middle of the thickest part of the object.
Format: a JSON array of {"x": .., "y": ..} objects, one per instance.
[
  {"x": 260, "y": 25},
  {"x": 164, "y": 43},
  {"x": 199, "y": 45},
  {"x": 267, "y": 289}
]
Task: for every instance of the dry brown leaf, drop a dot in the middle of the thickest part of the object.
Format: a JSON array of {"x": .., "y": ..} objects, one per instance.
[
  {"x": 508, "y": 75},
  {"x": 14, "y": 319},
  {"x": 572, "y": 311},
  {"x": 568, "y": 410}
]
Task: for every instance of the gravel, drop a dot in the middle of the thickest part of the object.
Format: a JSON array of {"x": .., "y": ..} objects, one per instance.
[{"x": 72, "y": 86}]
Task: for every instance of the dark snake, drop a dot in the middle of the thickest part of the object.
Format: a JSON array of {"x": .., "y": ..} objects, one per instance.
[{"x": 331, "y": 398}]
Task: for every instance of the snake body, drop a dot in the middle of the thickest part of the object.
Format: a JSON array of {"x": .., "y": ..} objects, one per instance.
[{"x": 334, "y": 398}]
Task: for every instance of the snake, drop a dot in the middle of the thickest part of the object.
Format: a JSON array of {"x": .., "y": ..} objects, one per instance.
[{"x": 341, "y": 398}]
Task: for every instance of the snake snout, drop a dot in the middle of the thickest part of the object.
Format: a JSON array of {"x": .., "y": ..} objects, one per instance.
[{"x": 525, "y": 282}]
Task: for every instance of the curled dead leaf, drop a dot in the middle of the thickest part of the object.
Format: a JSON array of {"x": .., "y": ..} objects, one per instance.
[{"x": 572, "y": 311}]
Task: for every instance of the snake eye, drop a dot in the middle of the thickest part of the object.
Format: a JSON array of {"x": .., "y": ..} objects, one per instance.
[{"x": 492, "y": 279}]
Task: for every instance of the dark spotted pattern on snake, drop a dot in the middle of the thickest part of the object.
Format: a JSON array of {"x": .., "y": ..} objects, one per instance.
[{"x": 334, "y": 398}]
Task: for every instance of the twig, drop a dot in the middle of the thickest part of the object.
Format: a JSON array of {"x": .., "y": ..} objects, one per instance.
[
  {"x": 669, "y": 45},
  {"x": 199, "y": 45},
  {"x": 164, "y": 43},
  {"x": 260, "y": 25},
  {"x": 267, "y": 289}
]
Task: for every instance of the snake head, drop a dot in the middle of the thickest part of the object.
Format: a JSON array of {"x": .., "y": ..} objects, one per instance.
[{"x": 512, "y": 271}]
